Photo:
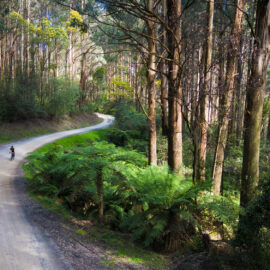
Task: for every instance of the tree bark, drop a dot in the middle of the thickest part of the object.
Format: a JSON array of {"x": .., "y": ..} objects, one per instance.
[
  {"x": 83, "y": 79},
  {"x": 240, "y": 102},
  {"x": 233, "y": 51},
  {"x": 151, "y": 79},
  {"x": 174, "y": 34},
  {"x": 2, "y": 69},
  {"x": 163, "y": 90},
  {"x": 27, "y": 41},
  {"x": 254, "y": 99},
  {"x": 204, "y": 93}
]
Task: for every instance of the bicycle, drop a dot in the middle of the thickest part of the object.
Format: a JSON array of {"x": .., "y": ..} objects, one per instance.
[{"x": 12, "y": 152}]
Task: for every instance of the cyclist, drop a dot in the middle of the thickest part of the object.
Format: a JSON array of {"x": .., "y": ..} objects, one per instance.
[{"x": 12, "y": 152}]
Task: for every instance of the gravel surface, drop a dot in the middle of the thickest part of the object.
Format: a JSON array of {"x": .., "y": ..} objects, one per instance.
[{"x": 71, "y": 251}]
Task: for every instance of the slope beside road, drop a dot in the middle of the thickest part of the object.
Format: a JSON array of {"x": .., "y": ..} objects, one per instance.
[{"x": 22, "y": 247}]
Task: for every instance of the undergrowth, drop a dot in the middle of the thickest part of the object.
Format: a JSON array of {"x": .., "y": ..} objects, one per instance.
[{"x": 103, "y": 176}]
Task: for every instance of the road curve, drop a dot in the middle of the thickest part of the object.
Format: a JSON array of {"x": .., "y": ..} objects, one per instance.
[{"x": 21, "y": 246}]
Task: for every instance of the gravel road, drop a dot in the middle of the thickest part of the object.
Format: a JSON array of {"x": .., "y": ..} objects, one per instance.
[{"x": 22, "y": 246}]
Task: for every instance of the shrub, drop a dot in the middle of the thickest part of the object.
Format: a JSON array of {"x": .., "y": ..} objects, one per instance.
[
  {"x": 164, "y": 208},
  {"x": 73, "y": 175}
]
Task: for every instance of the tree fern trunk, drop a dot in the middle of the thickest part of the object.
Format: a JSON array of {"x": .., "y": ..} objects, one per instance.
[{"x": 100, "y": 192}]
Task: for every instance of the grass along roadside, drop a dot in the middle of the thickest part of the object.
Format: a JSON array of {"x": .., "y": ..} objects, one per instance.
[
  {"x": 30, "y": 128},
  {"x": 76, "y": 140}
]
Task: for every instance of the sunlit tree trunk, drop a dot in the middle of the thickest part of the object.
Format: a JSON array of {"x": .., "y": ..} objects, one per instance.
[
  {"x": 174, "y": 35},
  {"x": 151, "y": 77},
  {"x": 22, "y": 40},
  {"x": 27, "y": 39},
  {"x": 233, "y": 52},
  {"x": 255, "y": 96},
  {"x": 55, "y": 71}
]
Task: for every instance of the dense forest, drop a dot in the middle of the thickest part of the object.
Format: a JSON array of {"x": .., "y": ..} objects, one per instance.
[{"x": 187, "y": 161}]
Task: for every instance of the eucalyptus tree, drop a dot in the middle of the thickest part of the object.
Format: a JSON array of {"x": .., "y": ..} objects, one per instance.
[
  {"x": 233, "y": 53},
  {"x": 255, "y": 96},
  {"x": 163, "y": 75},
  {"x": 201, "y": 142},
  {"x": 175, "y": 158},
  {"x": 4, "y": 10}
]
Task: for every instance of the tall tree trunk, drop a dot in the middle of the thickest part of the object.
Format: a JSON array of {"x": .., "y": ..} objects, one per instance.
[
  {"x": 232, "y": 126},
  {"x": 175, "y": 155},
  {"x": 254, "y": 99},
  {"x": 83, "y": 79},
  {"x": 240, "y": 103},
  {"x": 151, "y": 78},
  {"x": 233, "y": 52},
  {"x": 2, "y": 59},
  {"x": 27, "y": 40},
  {"x": 163, "y": 87},
  {"x": 66, "y": 63},
  {"x": 55, "y": 71},
  {"x": 22, "y": 40},
  {"x": 204, "y": 93}
]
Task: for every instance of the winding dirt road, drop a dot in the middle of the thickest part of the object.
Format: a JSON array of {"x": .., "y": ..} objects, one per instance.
[{"x": 21, "y": 245}]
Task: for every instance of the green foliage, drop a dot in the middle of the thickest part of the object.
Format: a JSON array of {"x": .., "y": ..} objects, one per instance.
[
  {"x": 130, "y": 129},
  {"x": 254, "y": 232},
  {"x": 44, "y": 32},
  {"x": 118, "y": 137},
  {"x": 71, "y": 175},
  {"x": 14, "y": 105},
  {"x": 121, "y": 89},
  {"x": 64, "y": 100},
  {"x": 76, "y": 22},
  {"x": 264, "y": 162},
  {"x": 266, "y": 107},
  {"x": 21, "y": 99},
  {"x": 99, "y": 75},
  {"x": 154, "y": 205},
  {"x": 128, "y": 119},
  {"x": 159, "y": 195},
  {"x": 220, "y": 208},
  {"x": 137, "y": 199},
  {"x": 81, "y": 140}
]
